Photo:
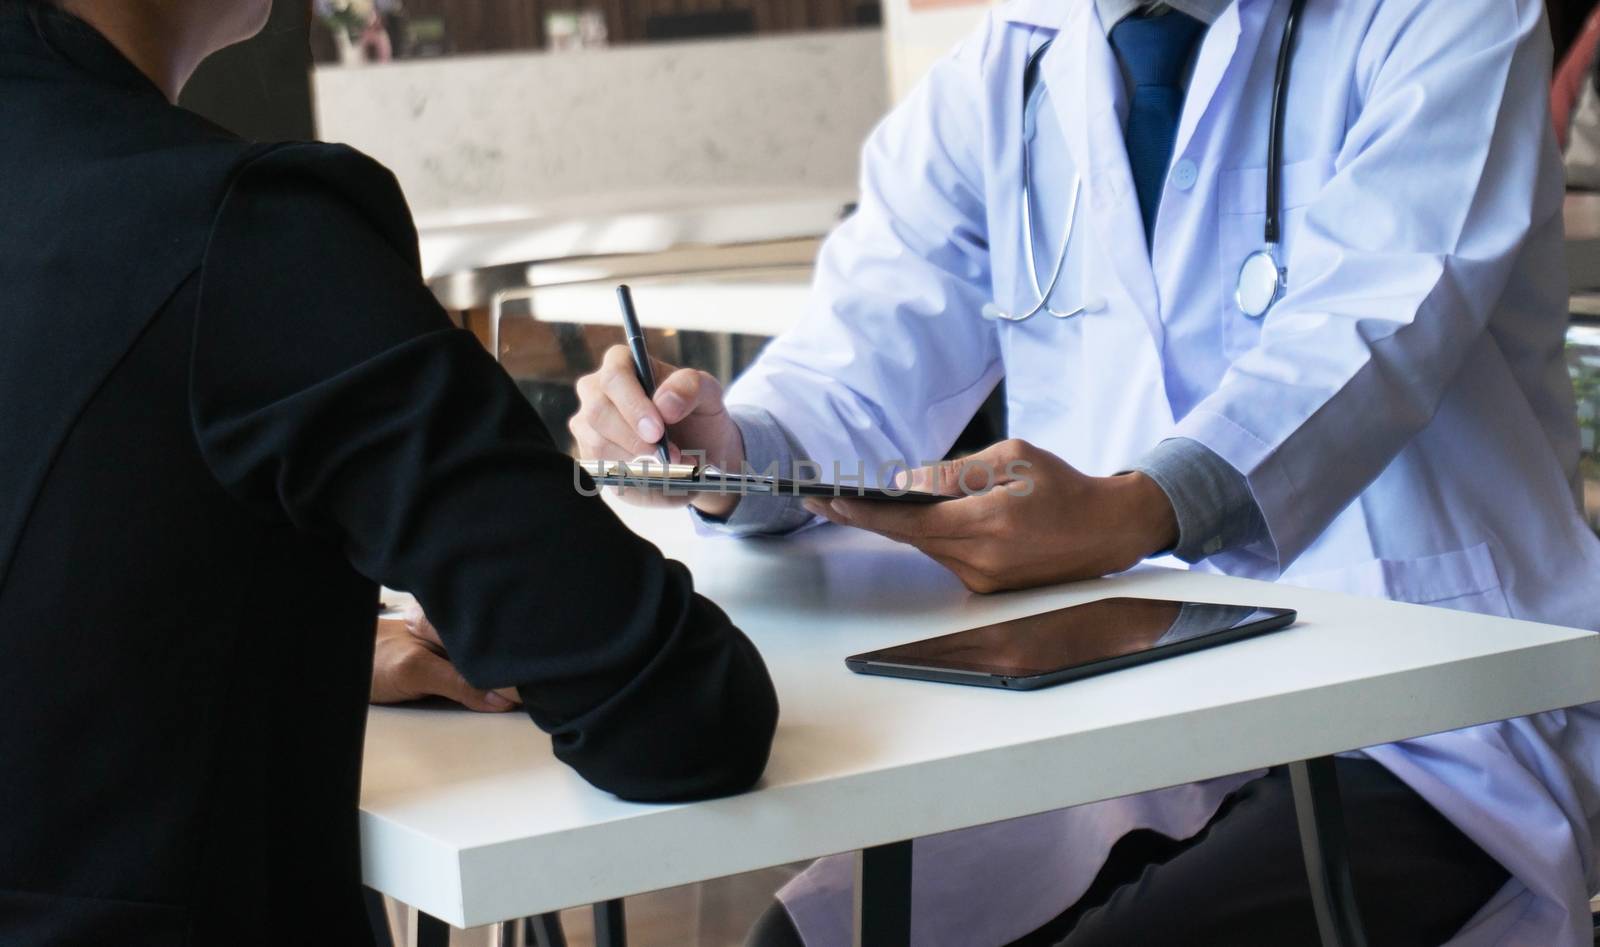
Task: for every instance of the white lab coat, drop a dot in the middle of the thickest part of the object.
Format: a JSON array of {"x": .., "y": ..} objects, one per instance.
[{"x": 1403, "y": 417}]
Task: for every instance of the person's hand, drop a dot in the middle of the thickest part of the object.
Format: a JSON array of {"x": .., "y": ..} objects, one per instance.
[
  {"x": 1043, "y": 522},
  {"x": 409, "y": 663},
  {"x": 615, "y": 421}
]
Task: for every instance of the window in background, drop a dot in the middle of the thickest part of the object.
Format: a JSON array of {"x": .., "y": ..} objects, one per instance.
[
  {"x": 700, "y": 24},
  {"x": 357, "y": 31},
  {"x": 1583, "y": 361}
]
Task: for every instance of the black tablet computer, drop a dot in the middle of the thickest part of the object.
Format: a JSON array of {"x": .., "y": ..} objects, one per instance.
[{"x": 1071, "y": 643}]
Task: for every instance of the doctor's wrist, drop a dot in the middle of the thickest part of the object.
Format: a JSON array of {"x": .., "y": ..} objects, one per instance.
[{"x": 1149, "y": 511}]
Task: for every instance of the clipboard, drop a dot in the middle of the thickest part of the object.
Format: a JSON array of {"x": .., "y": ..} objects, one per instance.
[{"x": 646, "y": 473}]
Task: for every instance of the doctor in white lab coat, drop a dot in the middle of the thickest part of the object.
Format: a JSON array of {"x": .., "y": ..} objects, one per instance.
[{"x": 1399, "y": 425}]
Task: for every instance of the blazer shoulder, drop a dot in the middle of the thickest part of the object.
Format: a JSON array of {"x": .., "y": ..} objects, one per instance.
[{"x": 317, "y": 171}]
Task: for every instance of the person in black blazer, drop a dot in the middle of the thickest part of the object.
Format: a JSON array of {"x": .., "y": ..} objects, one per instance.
[{"x": 229, "y": 408}]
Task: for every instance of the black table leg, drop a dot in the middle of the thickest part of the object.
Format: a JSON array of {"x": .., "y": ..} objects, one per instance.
[
  {"x": 432, "y": 932},
  {"x": 883, "y": 896},
  {"x": 544, "y": 931},
  {"x": 378, "y": 918},
  {"x": 1322, "y": 839},
  {"x": 610, "y": 925}
]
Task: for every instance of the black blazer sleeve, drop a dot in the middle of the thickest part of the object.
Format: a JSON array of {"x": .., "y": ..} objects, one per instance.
[{"x": 329, "y": 389}]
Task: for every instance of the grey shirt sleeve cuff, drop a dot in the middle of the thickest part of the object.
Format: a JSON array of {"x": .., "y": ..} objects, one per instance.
[
  {"x": 769, "y": 449},
  {"x": 1216, "y": 510}
]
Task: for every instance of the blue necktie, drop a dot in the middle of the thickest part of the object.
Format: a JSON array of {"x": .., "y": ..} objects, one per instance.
[{"x": 1155, "y": 52}]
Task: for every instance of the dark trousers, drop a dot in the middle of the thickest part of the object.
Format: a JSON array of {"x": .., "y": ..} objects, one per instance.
[{"x": 1241, "y": 881}]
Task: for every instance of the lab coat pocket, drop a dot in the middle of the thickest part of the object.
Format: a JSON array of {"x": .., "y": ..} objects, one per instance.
[
  {"x": 1242, "y": 220},
  {"x": 1463, "y": 579},
  {"x": 1044, "y": 375}
]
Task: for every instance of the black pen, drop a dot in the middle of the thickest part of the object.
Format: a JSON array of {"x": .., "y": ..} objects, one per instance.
[{"x": 641, "y": 360}]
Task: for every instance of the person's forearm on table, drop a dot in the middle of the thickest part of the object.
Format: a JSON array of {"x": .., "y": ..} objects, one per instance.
[
  {"x": 1212, "y": 502},
  {"x": 648, "y": 690}
]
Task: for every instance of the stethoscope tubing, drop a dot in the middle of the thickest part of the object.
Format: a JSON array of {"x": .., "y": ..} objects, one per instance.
[
  {"x": 1272, "y": 228},
  {"x": 1043, "y": 294},
  {"x": 1280, "y": 106}
]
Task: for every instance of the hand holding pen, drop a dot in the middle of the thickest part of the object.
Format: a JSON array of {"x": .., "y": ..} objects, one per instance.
[{"x": 617, "y": 420}]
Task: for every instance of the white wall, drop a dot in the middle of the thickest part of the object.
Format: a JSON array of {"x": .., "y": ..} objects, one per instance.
[
  {"x": 495, "y": 134},
  {"x": 918, "y": 32}
]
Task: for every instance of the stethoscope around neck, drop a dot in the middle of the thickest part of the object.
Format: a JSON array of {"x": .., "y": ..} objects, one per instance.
[{"x": 1262, "y": 278}]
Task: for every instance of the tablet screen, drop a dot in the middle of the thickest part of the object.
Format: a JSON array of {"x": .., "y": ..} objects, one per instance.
[{"x": 1073, "y": 637}]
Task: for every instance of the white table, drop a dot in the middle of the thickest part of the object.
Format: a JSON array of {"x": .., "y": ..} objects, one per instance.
[
  {"x": 759, "y": 289},
  {"x": 471, "y": 819},
  {"x": 764, "y": 301},
  {"x": 624, "y": 223},
  {"x": 469, "y": 256}
]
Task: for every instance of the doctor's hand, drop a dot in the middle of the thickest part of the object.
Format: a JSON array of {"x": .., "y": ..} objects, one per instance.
[
  {"x": 1042, "y": 523},
  {"x": 615, "y": 421},
  {"x": 409, "y": 663}
]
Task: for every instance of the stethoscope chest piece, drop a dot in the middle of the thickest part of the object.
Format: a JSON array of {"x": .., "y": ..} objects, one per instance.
[
  {"x": 1261, "y": 282},
  {"x": 1261, "y": 278}
]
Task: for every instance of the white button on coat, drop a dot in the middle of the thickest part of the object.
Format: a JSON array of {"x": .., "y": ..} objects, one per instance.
[{"x": 1184, "y": 174}]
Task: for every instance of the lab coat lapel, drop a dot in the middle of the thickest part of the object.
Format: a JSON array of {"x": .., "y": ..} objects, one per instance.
[
  {"x": 1085, "y": 89},
  {"x": 1216, "y": 53}
]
